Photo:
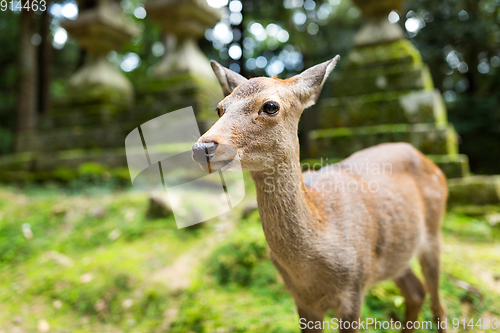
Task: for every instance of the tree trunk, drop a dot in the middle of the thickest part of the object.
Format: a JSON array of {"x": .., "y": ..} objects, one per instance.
[
  {"x": 44, "y": 63},
  {"x": 27, "y": 79}
]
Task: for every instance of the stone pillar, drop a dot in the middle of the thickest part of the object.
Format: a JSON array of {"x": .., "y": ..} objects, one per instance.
[
  {"x": 384, "y": 92},
  {"x": 101, "y": 27}
]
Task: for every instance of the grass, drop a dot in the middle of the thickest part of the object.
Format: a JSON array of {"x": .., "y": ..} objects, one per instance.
[{"x": 90, "y": 261}]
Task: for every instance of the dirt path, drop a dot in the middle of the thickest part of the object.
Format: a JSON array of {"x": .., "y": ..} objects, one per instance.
[{"x": 177, "y": 275}]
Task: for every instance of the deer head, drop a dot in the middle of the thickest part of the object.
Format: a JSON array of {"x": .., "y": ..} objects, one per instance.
[{"x": 258, "y": 118}]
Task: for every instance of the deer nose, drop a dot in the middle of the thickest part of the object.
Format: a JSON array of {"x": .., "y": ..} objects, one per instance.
[{"x": 204, "y": 151}]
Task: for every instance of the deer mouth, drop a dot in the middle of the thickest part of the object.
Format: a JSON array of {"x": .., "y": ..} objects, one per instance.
[{"x": 215, "y": 166}]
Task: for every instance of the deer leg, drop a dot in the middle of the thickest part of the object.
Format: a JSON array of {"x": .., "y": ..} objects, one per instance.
[
  {"x": 414, "y": 293},
  {"x": 429, "y": 261},
  {"x": 309, "y": 319},
  {"x": 350, "y": 315}
]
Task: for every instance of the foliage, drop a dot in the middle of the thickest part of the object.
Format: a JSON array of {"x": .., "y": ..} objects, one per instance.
[
  {"x": 236, "y": 261},
  {"x": 460, "y": 41}
]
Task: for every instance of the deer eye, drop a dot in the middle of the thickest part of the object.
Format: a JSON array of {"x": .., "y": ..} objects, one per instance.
[
  {"x": 271, "y": 107},
  {"x": 219, "y": 113}
]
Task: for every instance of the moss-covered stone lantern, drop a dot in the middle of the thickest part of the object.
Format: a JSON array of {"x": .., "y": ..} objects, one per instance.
[{"x": 101, "y": 27}]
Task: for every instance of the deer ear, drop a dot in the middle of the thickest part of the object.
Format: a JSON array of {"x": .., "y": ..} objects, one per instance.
[
  {"x": 308, "y": 84},
  {"x": 227, "y": 78}
]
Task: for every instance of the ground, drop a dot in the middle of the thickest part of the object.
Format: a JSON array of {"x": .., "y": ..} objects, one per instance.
[{"x": 87, "y": 259}]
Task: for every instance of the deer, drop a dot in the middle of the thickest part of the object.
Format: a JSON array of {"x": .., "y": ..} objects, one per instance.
[{"x": 330, "y": 243}]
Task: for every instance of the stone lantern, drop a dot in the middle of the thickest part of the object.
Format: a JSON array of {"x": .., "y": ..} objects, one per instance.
[
  {"x": 183, "y": 22},
  {"x": 101, "y": 27},
  {"x": 377, "y": 28},
  {"x": 184, "y": 75},
  {"x": 383, "y": 92}
]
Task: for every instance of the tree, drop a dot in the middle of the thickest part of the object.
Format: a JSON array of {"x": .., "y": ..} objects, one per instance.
[
  {"x": 460, "y": 41},
  {"x": 27, "y": 77}
]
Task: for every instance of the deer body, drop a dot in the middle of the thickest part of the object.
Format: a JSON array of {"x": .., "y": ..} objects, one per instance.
[
  {"x": 334, "y": 232},
  {"x": 350, "y": 240}
]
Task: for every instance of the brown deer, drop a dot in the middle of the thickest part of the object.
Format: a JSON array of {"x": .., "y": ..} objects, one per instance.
[{"x": 330, "y": 237}]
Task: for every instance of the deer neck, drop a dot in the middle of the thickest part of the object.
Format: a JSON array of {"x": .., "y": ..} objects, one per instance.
[{"x": 289, "y": 215}]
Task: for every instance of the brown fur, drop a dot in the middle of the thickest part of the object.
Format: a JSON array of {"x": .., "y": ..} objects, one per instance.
[{"x": 330, "y": 245}]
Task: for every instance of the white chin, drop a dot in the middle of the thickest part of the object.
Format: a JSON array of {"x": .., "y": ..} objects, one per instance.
[{"x": 219, "y": 166}]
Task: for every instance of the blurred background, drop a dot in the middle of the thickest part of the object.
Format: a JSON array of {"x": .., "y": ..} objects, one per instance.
[
  {"x": 459, "y": 40},
  {"x": 81, "y": 251}
]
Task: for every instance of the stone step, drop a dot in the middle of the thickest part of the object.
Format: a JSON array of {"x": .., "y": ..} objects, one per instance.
[
  {"x": 474, "y": 190},
  {"x": 383, "y": 108},
  {"x": 72, "y": 159},
  {"x": 66, "y": 165},
  {"x": 102, "y": 115},
  {"x": 112, "y": 136},
  {"x": 398, "y": 52},
  {"x": 453, "y": 166},
  {"x": 156, "y": 102},
  {"x": 83, "y": 138},
  {"x": 382, "y": 79},
  {"x": 431, "y": 139},
  {"x": 113, "y": 157}
]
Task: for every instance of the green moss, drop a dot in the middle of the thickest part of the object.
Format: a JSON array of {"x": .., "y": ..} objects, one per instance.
[
  {"x": 17, "y": 161},
  {"x": 412, "y": 107},
  {"x": 121, "y": 174},
  {"x": 428, "y": 84},
  {"x": 471, "y": 229},
  {"x": 394, "y": 78},
  {"x": 93, "y": 95},
  {"x": 453, "y": 166},
  {"x": 400, "y": 51},
  {"x": 451, "y": 140},
  {"x": 440, "y": 110},
  {"x": 237, "y": 258},
  {"x": 64, "y": 174},
  {"x": 91, "y": 168},
  {"x": 480, "y": 190},
  {"x": 342, "y": 142},
  {"x": 367, "y": 130},
  {"x": 475, "y": 210},
  {"x": 87, "y": 174},
  {"x": 179, "y": 81}
]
